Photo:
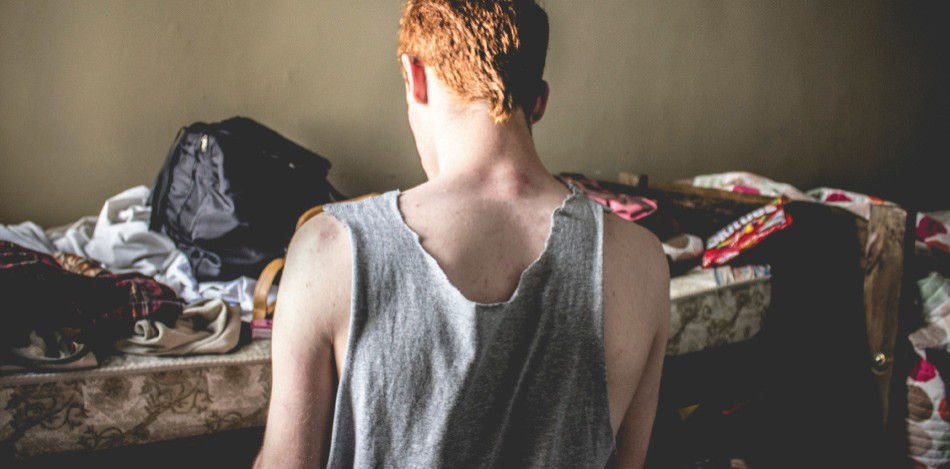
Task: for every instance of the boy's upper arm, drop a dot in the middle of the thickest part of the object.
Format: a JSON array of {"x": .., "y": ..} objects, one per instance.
[
  {"x": 634, "y": 436},
  {"x": 639, "y": 323},
  {"x": 312, "y": 301}
]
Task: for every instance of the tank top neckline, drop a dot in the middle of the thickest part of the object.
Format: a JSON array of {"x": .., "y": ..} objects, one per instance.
[{"x": 439, "y": 272}]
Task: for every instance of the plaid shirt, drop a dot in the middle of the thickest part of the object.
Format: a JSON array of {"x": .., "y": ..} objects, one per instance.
[{"x": 65, "y": 290}]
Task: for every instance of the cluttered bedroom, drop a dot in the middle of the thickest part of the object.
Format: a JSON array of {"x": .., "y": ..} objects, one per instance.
[{"x": 791, "y": 157}]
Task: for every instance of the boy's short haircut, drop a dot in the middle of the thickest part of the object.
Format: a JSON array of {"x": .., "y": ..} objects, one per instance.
[{"x": 491, "y": 50}]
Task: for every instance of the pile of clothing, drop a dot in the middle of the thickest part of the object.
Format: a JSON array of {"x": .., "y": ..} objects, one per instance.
[
  {"x": 120, "y": 239},
  {"x": 109, "y": 283},
  {"x": 224, "y": 205}
]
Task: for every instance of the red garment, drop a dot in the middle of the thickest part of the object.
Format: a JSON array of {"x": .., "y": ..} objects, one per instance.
[{"x": 41, "y": 294}]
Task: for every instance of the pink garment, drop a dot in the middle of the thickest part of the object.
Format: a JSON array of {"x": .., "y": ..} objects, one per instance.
[{"x": 626, "y": 206}]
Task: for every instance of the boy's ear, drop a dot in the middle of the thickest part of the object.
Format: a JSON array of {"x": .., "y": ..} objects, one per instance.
[
  {"x": 541, "y": 103},
  {"x": 416, "y": 82}
]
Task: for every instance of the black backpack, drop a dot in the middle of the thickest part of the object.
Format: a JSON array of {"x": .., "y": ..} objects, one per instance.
[{"x": 230, "y": 193}]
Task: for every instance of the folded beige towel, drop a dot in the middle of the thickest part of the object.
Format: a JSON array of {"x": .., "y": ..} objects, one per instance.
[{"x": 208, "y": 326}]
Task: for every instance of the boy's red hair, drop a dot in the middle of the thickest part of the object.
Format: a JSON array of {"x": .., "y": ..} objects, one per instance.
[{"x": 491, "y": 50}]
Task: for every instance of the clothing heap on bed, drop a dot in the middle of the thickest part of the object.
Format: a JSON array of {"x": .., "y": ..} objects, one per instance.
[{"x": 108, "y": 283}]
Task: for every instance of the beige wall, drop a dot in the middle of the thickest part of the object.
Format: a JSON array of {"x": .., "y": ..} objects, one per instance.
[{"x": 809, "y": 92}]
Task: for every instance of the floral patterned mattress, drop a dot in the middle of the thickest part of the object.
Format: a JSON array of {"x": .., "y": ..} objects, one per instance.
[
  {"x": 132, "y": 399},
  {"x": 716, "y": 307},
  {"x": 136, "y": 399}
]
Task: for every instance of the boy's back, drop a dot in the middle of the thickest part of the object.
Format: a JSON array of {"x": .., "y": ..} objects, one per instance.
[{"x": 482, "y": 221}]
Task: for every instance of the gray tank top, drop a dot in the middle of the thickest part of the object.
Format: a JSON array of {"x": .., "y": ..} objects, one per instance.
[{"x": 432, "y": 379}]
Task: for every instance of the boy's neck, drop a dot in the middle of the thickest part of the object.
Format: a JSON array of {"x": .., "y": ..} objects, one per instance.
[{"x": 470, "y": 148}]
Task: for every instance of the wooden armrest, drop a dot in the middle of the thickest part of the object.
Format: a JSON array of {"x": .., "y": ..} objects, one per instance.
[
  {"x": 266, "y": 280},
  {"x": 261, "y": 290}
]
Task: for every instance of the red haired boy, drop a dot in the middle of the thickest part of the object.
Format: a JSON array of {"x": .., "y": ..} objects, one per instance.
[{"x": 490, "y": 317}]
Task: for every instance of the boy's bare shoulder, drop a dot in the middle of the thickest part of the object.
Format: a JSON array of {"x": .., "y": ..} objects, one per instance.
[
  {"x": 316, "y": 279},
  {"x": 635, "y": 268},
  {"x": 319, "y": 234},
  {"x": 320, "y": 251},
  {"x": 636, "y": 245}
]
